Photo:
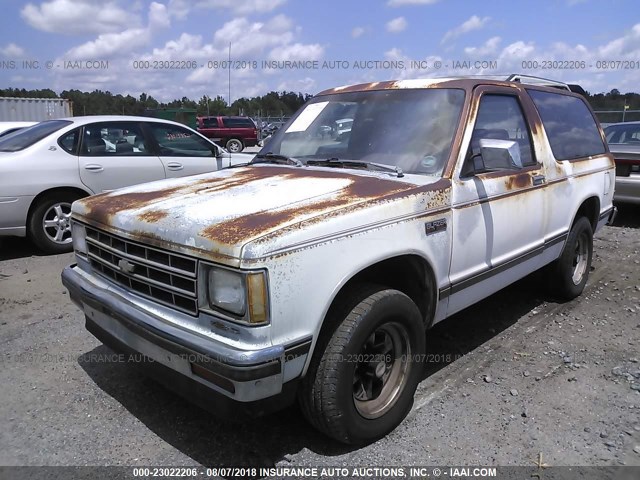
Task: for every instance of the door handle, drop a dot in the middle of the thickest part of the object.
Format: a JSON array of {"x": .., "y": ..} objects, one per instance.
[
  {"x": 93, "y": 167},
  {"x": 174, "y": 166},
  {"x": 538, "y": 179}
]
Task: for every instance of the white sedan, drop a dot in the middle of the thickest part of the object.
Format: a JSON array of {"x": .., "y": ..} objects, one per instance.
[{"x": 46, "y": 167}]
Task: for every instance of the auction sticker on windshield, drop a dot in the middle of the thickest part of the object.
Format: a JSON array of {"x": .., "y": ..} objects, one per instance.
[{"x": 307, "y": 117}]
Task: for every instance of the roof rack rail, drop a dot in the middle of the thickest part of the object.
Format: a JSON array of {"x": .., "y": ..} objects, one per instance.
[{"x": 532, "y": 80}]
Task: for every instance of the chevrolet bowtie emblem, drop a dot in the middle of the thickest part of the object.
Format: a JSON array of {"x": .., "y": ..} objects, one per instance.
[{"x": 125, "y": 266}]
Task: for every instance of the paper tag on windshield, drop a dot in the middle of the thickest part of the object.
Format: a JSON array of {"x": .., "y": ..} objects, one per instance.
[{"x": 307, "y": 117}]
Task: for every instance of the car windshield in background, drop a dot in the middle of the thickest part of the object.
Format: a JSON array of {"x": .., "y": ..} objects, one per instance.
[
  {"x": 412, "y": 129},
  {"x": 26, "y": 137},
  {"x": 629, "y": 133}
]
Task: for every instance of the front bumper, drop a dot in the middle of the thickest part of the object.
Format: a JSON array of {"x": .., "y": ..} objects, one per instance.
[{"x": 193, "y": 361}]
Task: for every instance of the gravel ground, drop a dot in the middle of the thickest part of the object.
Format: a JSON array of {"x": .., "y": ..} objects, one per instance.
[{"x": 514, "y": 377}]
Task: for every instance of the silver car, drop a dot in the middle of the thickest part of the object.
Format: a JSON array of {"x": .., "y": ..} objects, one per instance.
[
  {"x": 624, "y": 143},
  {"x": 46, "y": 167}
]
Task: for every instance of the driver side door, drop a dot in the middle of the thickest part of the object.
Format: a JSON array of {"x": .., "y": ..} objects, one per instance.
[{"x": 498, "y": 213}]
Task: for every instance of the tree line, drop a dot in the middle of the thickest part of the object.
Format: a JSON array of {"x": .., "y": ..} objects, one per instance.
[
  {"x": 272, "y": 104},
  {"x": 98, "y": 102}
]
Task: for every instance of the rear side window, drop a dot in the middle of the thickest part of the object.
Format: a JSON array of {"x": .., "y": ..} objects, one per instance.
[
  {"x": 25, "y": 138},
  {"x": 570, "y": 126},
  {"x": 238, "y": 122}
]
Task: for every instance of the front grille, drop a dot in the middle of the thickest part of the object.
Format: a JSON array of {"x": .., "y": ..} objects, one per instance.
[{"x": 163, "y": 276}]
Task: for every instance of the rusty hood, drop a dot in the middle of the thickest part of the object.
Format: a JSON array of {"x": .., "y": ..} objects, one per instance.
[{"x": 218, "y": 213}]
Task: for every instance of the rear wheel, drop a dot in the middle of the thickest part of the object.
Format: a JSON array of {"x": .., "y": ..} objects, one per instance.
[
  {"x": 361, "y": 386},
  {"x": 234, "y": 145},
  {"x": 569, "y": 274},
  {"x": 49, "y": 224}
]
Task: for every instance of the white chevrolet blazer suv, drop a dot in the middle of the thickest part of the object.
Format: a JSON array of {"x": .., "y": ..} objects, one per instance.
[{"x": 314, "y": 271}]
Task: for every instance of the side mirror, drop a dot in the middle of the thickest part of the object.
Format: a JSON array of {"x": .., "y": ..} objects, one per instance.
[
  {"x": 217, "y": 152},
  {"x": 497, "y": 155}
]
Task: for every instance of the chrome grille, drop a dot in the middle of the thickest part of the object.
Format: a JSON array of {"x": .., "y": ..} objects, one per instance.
[{"x": 163, "y": 276}]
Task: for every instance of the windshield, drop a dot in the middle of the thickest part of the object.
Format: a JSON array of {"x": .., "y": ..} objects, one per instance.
[
  {"x": 28, "y": 136},
  {"x": 629, "y": 133},
  {"x": 412, "y": 129}
]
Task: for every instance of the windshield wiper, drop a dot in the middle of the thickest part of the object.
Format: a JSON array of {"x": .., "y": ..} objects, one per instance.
[
  {"x": 271, "y": 157},
  {"x": 336, "y": 162}
]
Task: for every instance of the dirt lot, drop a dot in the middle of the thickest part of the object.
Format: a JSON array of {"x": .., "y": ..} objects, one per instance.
[{"x": 521, "y": 375}]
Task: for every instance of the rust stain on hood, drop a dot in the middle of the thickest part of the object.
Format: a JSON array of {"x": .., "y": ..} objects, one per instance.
[{"x": 222, "y": 211}]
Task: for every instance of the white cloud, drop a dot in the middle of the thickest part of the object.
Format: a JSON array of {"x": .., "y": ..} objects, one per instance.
[
  {"x": 297, "y": 51},
  {"x": 109, "y": 45},
  {"x": 487, "y": 48},
  {"x": 357, "y": 32},
  {"x": 12, "y": 50},
  {"x": 397, "y": 25},
  {"x": 79, "y": 17},
  {"x": 307, "y": 85},
  {"x": 159, "y": 16},
  {"x": 474, "y": 23},
  {"x": 399, "y": 3},
  {"x": 242, "y": 7},
  {"x": 178, "y": 8},
  {"x": 518, "y": 51}
]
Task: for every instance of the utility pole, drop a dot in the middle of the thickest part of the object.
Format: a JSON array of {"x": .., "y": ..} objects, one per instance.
[
  {"x": 624, "y": 110},
  {"x": 229, "y": 74}
]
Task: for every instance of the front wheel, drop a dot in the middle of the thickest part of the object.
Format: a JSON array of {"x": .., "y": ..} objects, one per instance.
[
  {"x": 568, "y": 275},
  {"x": 362, "y": 385},
  {"x": 49, "y": 223},
  {"x": 234, "y": 145}
]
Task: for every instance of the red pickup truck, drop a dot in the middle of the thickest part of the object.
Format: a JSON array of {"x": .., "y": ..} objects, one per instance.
[{"x": 235, "y": 133}]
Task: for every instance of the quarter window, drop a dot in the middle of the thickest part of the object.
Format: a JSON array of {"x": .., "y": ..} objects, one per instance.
[
  {"x": 571, "y": 129},
  {"x": 69, "y": 142},
  {"x": 500, "y": 117}
]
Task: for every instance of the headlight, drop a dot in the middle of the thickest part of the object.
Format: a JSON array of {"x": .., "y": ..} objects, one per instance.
[
  {"x": 79, "y": 237},
  {"x": 241, "y": 294},
  {"x": 227, "y": 291}
]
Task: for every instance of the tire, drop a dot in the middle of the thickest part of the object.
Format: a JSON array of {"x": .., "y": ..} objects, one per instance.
[
  {"x": 568, "y": 275},
  {"x": 234, "y": 145},
  {"x": 57, "y": 237},
  {"x": 347, "y": 394}
]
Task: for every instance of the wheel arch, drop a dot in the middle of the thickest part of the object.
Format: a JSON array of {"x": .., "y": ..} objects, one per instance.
[
  {"x": 589, "y": 208},
  {"x": 390, "y": 272},
  {"x": 65, "y": 189}
]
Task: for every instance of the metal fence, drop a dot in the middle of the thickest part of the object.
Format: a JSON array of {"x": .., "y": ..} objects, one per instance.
[{"x": 615, "y": 116}]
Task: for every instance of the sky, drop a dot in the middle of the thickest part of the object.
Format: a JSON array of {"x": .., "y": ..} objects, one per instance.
[{"x": 178, "y": 48}]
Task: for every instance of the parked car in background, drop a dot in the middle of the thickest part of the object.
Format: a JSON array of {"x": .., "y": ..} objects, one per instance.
[
  {"x": 235, "y": 133},
  {"x": 46, "y": 167},
  {"x": 271, "y": 128},
  {"x": 9, "y": 127},
  {"x": 624, "y": 144}
]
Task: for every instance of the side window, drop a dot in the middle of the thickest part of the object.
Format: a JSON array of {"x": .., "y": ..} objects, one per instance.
[
  {"x": 571, "y": 129},
  {"x": 238, "y": 122},
  {"x": 69, "y": 141},
  {"x": 113, "y": 139},
  {"x": 210, "y": 122},
  {"x": 176, "y": 141},
  {"x": 500, "y": 117}
]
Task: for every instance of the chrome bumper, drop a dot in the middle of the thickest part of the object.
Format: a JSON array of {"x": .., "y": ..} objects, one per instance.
[{"x": 240, "y": 375}]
